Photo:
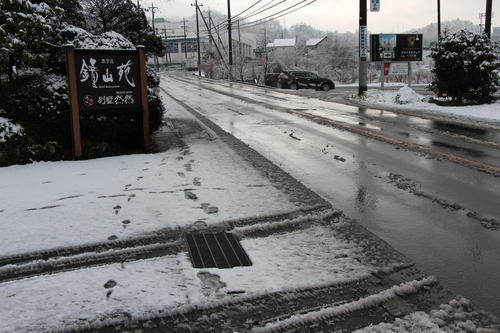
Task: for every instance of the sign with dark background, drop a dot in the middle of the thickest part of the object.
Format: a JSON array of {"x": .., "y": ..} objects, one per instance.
[
  {"x": 396, "y": 47},
  {"x": 108, "y": 80}
]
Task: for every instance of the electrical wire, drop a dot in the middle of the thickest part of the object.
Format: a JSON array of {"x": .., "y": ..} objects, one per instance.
[
  {"x": 257, "y": 11},
  {"x": 272, "y": 17},
  {"x": 255, "y": 4}
]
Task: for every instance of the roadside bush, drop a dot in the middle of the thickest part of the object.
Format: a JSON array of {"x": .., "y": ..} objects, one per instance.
[
  {"x": 466, "y": 68},
  {"x": 39, "y": 104}
]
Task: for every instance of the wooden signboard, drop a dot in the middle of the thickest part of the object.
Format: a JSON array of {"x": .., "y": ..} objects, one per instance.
[{"x": 105, "y": 81}]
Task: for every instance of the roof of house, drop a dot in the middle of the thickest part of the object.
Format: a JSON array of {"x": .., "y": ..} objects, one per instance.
[
  {"x": 286, "y": 42},
  {"x": 314, "y": 41}
]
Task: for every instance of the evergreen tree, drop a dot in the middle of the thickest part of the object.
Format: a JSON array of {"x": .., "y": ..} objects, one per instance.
[
  {"x": 70, "y": 10},
  {"x": 124, "y": 17},
  {"x": 27, "y": 31},
  {"x": 466, "y": 67}
]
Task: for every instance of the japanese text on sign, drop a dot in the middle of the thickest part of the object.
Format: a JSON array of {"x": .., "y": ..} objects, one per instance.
[
  {"x": 363, "y": 43},
  {"x": 107, "y": 79}
]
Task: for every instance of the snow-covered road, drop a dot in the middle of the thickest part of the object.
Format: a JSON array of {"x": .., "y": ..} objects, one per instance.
[{"x": 441, "y": 214}]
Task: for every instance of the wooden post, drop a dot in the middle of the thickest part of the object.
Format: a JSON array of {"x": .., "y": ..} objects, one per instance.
[
  {"x": 75, "y": 112},
  {"x": 144, "y": 98}
]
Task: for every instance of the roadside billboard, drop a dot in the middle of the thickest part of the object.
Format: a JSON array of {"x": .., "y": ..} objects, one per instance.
[{"x": 396, "y": 47}]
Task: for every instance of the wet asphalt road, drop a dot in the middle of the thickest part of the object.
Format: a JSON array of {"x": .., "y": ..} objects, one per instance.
[{"x": 439, "y": 213}]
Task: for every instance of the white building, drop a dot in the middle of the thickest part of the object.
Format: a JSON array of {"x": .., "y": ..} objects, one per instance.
[
  {"x": 282, "y": 43},
  {"x": 182, "y": 50}
]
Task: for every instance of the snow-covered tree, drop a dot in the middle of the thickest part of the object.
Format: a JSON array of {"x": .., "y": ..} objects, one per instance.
[
  {"x": 26, "y": 32},
  {"x": 466, "y": 67},
  {"x": 123, "y": 17}
]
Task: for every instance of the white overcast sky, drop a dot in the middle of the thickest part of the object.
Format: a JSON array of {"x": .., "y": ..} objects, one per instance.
[{"x": 342, "y": 15}]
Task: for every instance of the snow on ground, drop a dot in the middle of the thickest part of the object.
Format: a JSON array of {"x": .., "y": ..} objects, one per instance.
[
  {"x": 51, "y": 204},
  {"x": 300, "y": 259},
  {"x": 457, "y": 316},
  {"x": 407, "y": 99}
]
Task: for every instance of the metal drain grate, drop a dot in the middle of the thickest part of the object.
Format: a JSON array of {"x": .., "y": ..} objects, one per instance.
[{"x": 216, "y": 250}]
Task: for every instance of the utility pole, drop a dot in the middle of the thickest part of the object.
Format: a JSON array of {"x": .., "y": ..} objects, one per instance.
[
  {"x": 487, "y": 23},
  {"x": 230, "y": 39},
  {"x": 210, "y": 25},
  {"x": 185, "y": 39},
  {"x": 197, "y": 36},
  {"x": 481, "y": 16},
  {"x": 240, "y": 66},
  {"x": 439, "y": 21},
  {"x": 213, "y": 39},
  {"x": 153, "y": 8},
  {"x": 363, "y": 47},
  {"x": 218, "y": 35},
  {"x": 168, "y": 58},
  {"x": 265, "y": 50}
]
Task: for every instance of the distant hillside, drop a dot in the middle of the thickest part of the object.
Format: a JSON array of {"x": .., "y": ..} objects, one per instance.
[{"x": 430, "y": 31}]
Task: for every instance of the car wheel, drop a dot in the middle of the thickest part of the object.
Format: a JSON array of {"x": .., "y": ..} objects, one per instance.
[
  {"x": 294, "y": 86},
  {"x": 279, "y": 85},
  {"x": 325, "y": 87}
]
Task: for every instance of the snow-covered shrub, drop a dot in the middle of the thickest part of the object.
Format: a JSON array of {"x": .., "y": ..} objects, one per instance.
[
  {"x": 38, "y": 105},
  {"x": 81, "y": 38},
  {"x": 466, "y": 67}
]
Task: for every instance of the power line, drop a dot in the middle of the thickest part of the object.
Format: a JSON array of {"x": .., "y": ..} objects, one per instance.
[
  {"x": 255, "y": 12},
  {"x": 273, "y": 17},
  {"x": 258, "y": 11},
  {"x": 235, "y": 16}
]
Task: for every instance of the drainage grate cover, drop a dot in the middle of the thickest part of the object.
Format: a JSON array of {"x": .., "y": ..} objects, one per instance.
[{"x": 216, "y": 250}]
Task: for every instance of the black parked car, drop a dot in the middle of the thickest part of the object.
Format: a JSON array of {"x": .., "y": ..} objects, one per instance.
[{"x": 298, "y": 79}]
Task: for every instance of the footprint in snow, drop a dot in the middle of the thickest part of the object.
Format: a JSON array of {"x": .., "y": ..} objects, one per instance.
[
  {"x": 117, "y": 209},
  {"x": 208, "y": 209},
  {"x": 197, "y": 181},
  {"x": 112, "y": 237},
  {"x": 198, "y": 225},
  {"x": 110, "y": 284},
  {"x": 190, "y": 195}
]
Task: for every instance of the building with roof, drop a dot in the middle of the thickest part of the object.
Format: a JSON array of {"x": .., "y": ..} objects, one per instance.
[
  {"x": 313, "y": 43},
  {"x": 282, "y": 43},
  {"x": 182, "y": 49}
]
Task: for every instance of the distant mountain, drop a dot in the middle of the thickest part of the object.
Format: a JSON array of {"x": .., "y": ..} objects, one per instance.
[{"x": 430, "y": 31}]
